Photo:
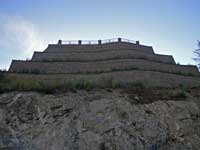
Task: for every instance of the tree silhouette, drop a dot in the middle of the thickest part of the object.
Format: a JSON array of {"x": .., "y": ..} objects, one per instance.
[{"x": 197, "y": 55}]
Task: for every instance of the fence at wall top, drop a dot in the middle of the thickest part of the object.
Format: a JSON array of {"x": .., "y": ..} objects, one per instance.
[{"x": 94, "y": 42}]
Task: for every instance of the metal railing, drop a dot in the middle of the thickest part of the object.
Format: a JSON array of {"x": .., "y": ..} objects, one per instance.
[{"x": 95, "y": 42}]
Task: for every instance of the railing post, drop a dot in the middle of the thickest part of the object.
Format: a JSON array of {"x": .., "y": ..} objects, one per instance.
[
  {"x": 119, "y": 39},
  {"x": 138, "y": 42},
  {"x": 99, "y": 42},
  {"x": 59, "y": 42},
  {"x": 79, "y": 42}
]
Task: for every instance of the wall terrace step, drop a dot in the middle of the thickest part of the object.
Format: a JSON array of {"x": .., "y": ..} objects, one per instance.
[
  {"x": 103, "y": 66},
  {"x": 101, "y": 55},
  {"x": 55, "y": 48},
  {"x": 148, "y": 78}
]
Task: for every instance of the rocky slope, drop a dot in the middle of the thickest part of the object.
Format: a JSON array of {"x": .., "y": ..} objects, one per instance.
[{"x": 98, "y": 120}]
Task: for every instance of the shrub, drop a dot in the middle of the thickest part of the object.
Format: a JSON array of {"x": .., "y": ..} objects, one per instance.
[
  {"x": 105, "y": 82},
  {"x": 183, "y": 87},
  {"x": 3, "y": 80},
  {"x": 109, "y": 82},
  {"x": 75, "y": 85},
  {"x": 89, "y": 85},
  {"x": 79, "y": 84},
  {"x": 116, "y": 69},
  {"x": 137, "y": 85},
  {"x": 115, "y": 84},
  {"x": 2, "y": 75},
  {"x": 124, "y": 69},
  {"x": 180, "y": 94},
  {"x": 24, "y": 71},
  {"x": 24, "y": 85},
  {"x": 35, "y": 71},
  {"x": 179, "y": 73},
  {"x": 45, "y": 87},
  {"x": 53, "y": 86},
  {"x": 190, "y": 74}
]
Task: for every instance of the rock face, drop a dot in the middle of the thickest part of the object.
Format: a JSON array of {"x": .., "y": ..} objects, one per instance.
[{"x": 97, "y": 120}]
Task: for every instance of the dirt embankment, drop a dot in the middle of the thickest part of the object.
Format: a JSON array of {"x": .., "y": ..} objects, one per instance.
[{"x": 101, "y": 120}]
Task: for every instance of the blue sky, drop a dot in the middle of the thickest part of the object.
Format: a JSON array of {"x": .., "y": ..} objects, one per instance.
[{"x": 170, "y": 26}]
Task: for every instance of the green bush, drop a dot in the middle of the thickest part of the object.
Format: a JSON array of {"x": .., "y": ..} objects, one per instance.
[
  {"x": 53, "y": 86},
  {"x": 23, "y": 71},
  {"x": 183, "y": 87},
  {"x": 75, "y": 85},
  {"x": 137, "y": 85},
  {"x": 1, "y": 75},
  {"x": 89, "y": 85},
  {"x": 190, "y": 74},
  {"x": 35, "y": 71},
  {"x": 80, "y": 84},
  {"x": 105, "y": 82},
  {"x": 115, "y": 84},
  {"x": 180, "y": 94},
  {"x": 47, "y": 87}
]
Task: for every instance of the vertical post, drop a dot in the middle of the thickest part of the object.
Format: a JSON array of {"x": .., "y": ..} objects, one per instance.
[
  {"x": 138, "y": 42},
  {"x": 119, "y": 39},
  {"x": 79, "y": 42},
  {"x": 59, "y": 42},
  {"x": 99, "y": 42}
]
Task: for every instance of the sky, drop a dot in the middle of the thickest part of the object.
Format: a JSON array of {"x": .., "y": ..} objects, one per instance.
[{"x": 171, "y": 26}]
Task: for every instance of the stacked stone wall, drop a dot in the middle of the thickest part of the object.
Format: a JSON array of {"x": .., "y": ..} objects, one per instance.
[
  {"x": 149, "y": 78},
  {"x": 126, "y": 62},
  {"x": 99, "y": 56},
  {"x": 103, "y": 66},
  {"x": 114, "y": 46}
]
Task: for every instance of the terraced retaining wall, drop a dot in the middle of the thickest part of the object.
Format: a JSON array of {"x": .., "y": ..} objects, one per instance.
[
  {"x": 103, "y": 66},
  {"x": 123, "y": 61},
  {"x": 101, "y": 55}
]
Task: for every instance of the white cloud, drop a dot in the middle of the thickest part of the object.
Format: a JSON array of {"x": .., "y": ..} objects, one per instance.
[{"x": 19, "y": 37}]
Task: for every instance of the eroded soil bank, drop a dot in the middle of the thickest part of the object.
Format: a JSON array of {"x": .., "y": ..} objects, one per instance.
[{"x": 100, "y": 120}]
